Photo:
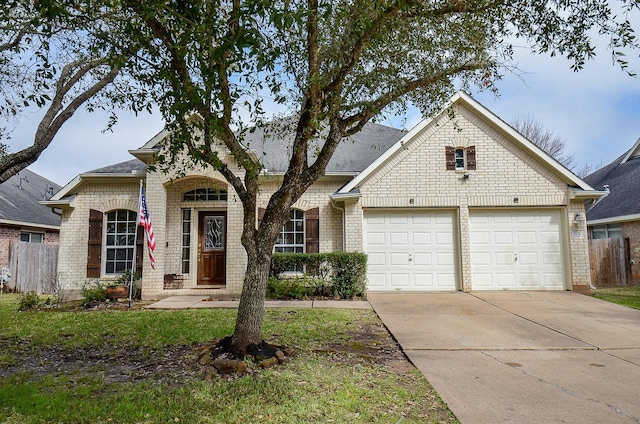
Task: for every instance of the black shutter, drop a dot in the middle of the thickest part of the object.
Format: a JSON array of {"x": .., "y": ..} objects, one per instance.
[
  {"x": 471, "y": 158},
  {"x": 94, "y": 246},
  {"x": 450, "y": 158},
  {"x": 312, "y": 230}
]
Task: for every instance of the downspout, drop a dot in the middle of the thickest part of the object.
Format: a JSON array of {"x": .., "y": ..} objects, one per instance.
[{"x": 344, "y": 230}]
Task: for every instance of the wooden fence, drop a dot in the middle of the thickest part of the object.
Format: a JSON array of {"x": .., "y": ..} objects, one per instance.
[
  {"x": 610, "y": 262},
  {"x": 33, "y": 267}
]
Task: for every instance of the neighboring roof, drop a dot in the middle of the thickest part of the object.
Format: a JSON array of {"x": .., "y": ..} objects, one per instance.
[
  {"x": 19, "y": 197},
  {"x": 622, "y": 176},
  {"x": 581, "y": 188}
]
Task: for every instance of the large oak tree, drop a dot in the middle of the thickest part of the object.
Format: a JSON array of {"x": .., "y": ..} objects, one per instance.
[{"x": 335, "y": 65}]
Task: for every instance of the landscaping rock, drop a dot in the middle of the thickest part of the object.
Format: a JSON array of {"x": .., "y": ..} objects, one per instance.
[{"x": 269, "y": 362}]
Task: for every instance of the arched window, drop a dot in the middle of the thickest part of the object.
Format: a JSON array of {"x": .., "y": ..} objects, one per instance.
[
  {"x": 120, "y": 241},
  {"x": 292, "y": 234},
  {"x": 204, "y": 194}
]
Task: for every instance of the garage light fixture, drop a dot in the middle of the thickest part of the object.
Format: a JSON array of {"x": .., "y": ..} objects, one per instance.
[{"x": 579, "y": 219}]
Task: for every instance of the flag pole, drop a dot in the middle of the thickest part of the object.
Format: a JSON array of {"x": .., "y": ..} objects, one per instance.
[{"x": 135, "y": 245}]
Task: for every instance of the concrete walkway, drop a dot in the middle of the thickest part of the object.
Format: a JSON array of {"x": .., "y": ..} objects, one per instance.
[
  {"x": 200, "y": 302},
  {"x": 522, "y": 357}
]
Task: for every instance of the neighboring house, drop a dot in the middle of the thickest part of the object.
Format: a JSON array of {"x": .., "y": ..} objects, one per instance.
[
  {"x": 460, "y": 202},
  {"x": 22, "y": 217},
  {"x": 617, "y": 215}
]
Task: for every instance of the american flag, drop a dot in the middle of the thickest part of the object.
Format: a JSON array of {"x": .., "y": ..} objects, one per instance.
[{"x": 145, "y": 220}]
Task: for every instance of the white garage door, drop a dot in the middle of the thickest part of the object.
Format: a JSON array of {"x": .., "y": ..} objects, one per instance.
[
  {"x": 520, "y": 250},
  {"x": 412, "y": 251}
]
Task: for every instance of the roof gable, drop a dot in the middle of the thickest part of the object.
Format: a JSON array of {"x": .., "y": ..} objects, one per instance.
[{"x": 487, "y": 117}]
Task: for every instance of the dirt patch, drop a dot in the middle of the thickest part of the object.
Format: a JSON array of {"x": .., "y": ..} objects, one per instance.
[
  {"x": 171, "y": 365},
  {"x": 371, "y": 343}
]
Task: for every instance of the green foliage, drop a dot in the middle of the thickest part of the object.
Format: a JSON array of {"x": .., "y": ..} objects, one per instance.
[
  {"x": 295, "y": 287},
  {"x": 94, "y": 291},
  {"x": 125, "y": 278},
  {"x": 336, "y": 274},
  {"x": 28, "y": 300},
  {"x": 626, "y": 296}
]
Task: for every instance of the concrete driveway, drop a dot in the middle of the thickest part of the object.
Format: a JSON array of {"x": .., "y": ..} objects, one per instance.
[{"x": 522, "y": 357}]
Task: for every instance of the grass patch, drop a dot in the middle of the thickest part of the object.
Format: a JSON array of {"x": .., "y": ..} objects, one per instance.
[
  {"x": 139, "y": 366},
  {"x": 626, "y": 296}
]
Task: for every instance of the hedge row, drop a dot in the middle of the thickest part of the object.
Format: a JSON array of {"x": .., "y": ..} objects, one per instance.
[{"x": 336, "y": 274}]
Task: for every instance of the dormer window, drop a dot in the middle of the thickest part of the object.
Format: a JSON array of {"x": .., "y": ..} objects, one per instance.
[{"x": 460, "y": 158}]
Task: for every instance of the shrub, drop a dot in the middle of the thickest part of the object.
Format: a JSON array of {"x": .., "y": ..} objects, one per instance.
[
  {"x": 28, "y": 301},
  {"x": 94, "y": 291},
  {"x": 337, "y": 274}
]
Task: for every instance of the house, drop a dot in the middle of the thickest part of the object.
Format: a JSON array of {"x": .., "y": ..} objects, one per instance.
[
  {"x": 22, "y": 217},
  {"x": 460, "y": 202},
  {"x": 617, "y": 215}
]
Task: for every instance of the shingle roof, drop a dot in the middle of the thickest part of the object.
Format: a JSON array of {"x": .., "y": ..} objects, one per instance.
[
  {"x": 19, "y": 197},
  {"x": 623, "y": 180},
  {"x": 121, "y": 167},
  {"x": 353, "y": 154}
]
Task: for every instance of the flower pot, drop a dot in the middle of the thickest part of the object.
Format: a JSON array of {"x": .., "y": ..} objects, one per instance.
[{"x": 118, "y": 292}]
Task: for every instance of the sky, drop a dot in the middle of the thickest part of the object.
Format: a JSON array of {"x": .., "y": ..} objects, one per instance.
[{"x": 596, "y": 111}]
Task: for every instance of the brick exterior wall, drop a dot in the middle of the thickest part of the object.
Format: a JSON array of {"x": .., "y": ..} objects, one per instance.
[
  {"x": 9, "y": 233},
  {"x": 506, "y": 178}
]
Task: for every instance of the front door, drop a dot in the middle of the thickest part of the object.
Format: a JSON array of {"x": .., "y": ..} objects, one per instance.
[{"x": 212, "y": 243}]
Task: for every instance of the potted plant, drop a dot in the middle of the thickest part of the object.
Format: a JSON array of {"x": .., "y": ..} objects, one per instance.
[{"x": 119, "y": 288}]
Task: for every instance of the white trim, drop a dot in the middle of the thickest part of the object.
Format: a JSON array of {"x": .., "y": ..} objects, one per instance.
[
  {"x": 634, "y": 151},
  {"x": 586, "y": 194},
  {"x": 78, "y": 180},
  {"x": 614, "y": 219},
  {"x": 489, "y": 117},
  {"x": 29, "y": 224}
]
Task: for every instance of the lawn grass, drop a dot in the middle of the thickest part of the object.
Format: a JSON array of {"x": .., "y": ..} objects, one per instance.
[
  {"x": 626, "y": 296},
  {"x": 322, "y": 383}
]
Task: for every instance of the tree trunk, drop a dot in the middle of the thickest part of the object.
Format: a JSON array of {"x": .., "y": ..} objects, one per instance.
[{"x": 248, "y": 328}]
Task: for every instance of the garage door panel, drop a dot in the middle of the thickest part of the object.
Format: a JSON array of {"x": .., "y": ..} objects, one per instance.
[
  {"x": 376, "y": 280},
  {"x": 423, "y": 259},
  {"x": 502, "y": 237},
  {"x": 399, "y": 280},
  {"x": 399, "y": 259},
  {"x": 377, "y": 259},
  {"x": 530, "y": 280},
  {"x": 516, "y": 249},
  {"x": 527, "y": 237},
  {"x": 415, "y": 248},
  {"x": 376, "y": 239},
  {"x": 446, "y": 259},
  {"x": 552, "y": 258},
  {"x": 423, "y": 280},
  {"x": 481, "y": 258},
  {"x": 528, "y": 258},
  {"x": 421, "y": 238},
  {"x": 398, "y": 239},
  {"x": 444, "y": 239},
  {"x": 547, "y": 237},
  {"x": 398, "y": 219},
  {"x": 503, "y": 258},
  {"x": 505, "y": 280}
]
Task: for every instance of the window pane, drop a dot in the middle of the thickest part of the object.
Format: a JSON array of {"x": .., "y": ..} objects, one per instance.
[
  {"x": 24, "y": 237},
  {"x": 121, "y": 229}
]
